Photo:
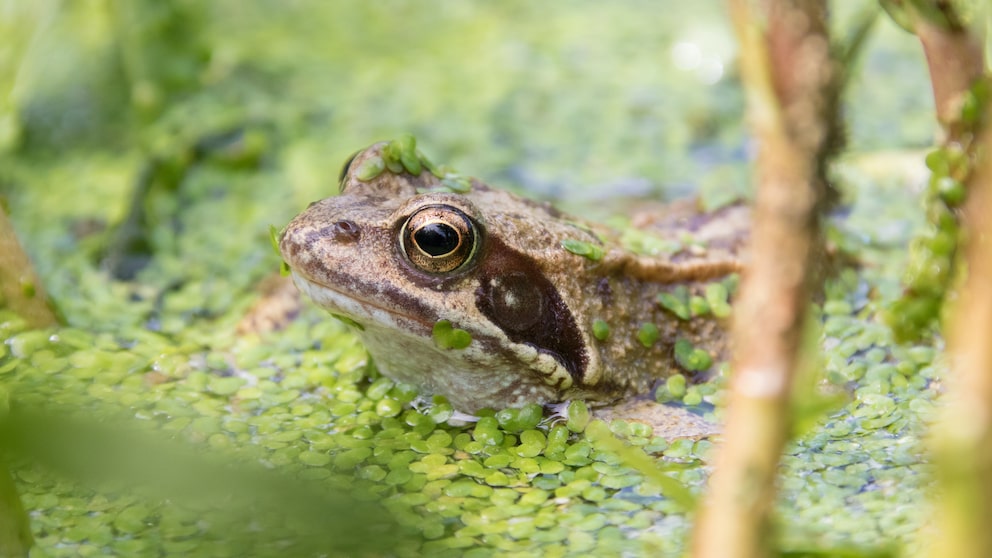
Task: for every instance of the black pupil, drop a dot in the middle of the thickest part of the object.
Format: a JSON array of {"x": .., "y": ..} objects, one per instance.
[{"x": 436, "y": 239}]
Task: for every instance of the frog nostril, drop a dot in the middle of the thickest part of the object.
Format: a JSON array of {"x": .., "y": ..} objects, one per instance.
[{"x": 345, "y": 231}]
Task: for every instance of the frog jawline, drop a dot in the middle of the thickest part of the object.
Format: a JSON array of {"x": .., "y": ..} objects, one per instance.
[{"x": 357, "y": 308}]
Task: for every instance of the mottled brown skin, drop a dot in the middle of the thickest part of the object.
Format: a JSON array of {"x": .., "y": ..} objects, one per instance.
[{"x": 527, "y": 303}]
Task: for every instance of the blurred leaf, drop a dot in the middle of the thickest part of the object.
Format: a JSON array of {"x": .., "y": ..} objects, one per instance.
[
  {"x": 15, "y": 532},
  {"x": 251, "y": 507}
]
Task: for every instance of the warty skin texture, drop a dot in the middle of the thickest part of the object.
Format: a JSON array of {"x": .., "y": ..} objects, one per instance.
[{"x": 528, "y": 303}]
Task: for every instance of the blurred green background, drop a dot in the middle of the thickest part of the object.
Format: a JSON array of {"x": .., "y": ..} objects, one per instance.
[
  {"x": 580, "y": 102},
  {"x": 623, "y": 96}
]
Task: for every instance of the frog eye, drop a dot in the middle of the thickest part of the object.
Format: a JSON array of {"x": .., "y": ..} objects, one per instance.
[{"x": 438, "y": 238}]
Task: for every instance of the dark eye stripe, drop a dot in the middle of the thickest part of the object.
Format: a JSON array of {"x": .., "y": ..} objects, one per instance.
[{"x": 516, "y": 296}]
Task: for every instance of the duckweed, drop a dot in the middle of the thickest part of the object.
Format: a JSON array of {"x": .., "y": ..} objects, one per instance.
[
  {"x": 600, "y": 330},
  {"x": 578, "y": 417},
  {"x": 446, "y": 336},
  {"x": 691, "y": 358},
  {"x": 648, "y": 334},
  {"x": 928, "y": 275},
  {"x": 717, "y": 297},
  {"x": 586, "y": 249},
  {"x": 408, "y": 154},
  {"x": 676, "y": 385},
  {"x": 225, "y": 386},
  {"x": 456, "y": 184},
  {"x": 520, "y": 419},
  {"x": 676, "y": 302},
  {"x": 692, "y": 397},
  {"x": 388, "y": 408},
  {"x": 440, "y": 412},
  {"x": 698, "y": 306},
  {"x": 487, "y": 432}
]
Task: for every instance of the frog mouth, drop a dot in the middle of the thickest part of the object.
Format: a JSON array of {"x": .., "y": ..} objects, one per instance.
[{"x": 363, "y": 310}]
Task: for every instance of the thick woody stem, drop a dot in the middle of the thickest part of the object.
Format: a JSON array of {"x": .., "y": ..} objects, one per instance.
[
  {"x": 955, "y": 59},
  {"x": 791, "y": 83},
  {"x": 962, "y": 439}
]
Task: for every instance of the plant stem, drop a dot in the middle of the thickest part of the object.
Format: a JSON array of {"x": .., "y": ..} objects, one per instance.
[
  {"x": 956, "y": 62},
  {"x": 961, "y": 440},
  {"x": 791, "y": 82}
]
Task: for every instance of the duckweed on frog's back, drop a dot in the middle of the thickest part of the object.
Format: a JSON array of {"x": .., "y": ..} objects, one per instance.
[{"x": 491, "y": 299}]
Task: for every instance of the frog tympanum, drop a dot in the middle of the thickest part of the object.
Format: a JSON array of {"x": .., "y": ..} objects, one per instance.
[{"x": 493, "y": 300}]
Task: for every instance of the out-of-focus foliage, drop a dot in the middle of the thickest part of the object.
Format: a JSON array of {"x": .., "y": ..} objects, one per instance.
[{"x": 250, "y": 511}]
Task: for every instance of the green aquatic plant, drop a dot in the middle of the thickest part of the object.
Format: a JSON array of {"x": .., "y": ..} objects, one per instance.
[{"x": 933, "y": 253}]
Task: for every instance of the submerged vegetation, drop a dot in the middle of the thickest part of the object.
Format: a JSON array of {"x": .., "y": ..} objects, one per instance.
[{"x": 147, "y": 148}]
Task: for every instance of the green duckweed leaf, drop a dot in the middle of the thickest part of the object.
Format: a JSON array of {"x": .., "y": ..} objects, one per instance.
[
  {"x": 676, "y": 301},
  {"x": 406, "y": 146},
  {"x": 950, "y": 190},
  {"x": 603, "y": 438},
  {"x": 518, "y": 419},
  {"x": 391, "y": 158},
  {"x": 698, "y": 306},
  {"x": 937, "y": 162},
  {"x": 676, "y": 385},
  {"x": 430, "y": 166},
  {"x": 370, "y": 168},
  {"x": 578, "y": 416},
  {"x": 600, "y": 330},
  {"x": 648, "y": 334},
  {"x": 457, "y": 184},
  {"x": 691, "y": 358},
  {"x": 717, "y": 296},
  {"x": 449, "y": 337},
  {"x": 585, "y": 249}
]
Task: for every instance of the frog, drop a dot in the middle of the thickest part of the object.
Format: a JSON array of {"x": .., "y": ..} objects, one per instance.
[{"x": 494, "y": 300}]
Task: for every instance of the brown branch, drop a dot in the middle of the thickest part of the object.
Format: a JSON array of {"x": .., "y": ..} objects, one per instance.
[
  {"x": 20, "y": 288},
  {"x": 791, "y": 83},
  {"x": 954, "y": 57},
  {"x": 962, "y": 440}
]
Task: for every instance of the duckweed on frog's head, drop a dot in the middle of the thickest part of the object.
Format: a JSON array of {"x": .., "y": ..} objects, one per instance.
[{"x": 400, "y": 252}]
